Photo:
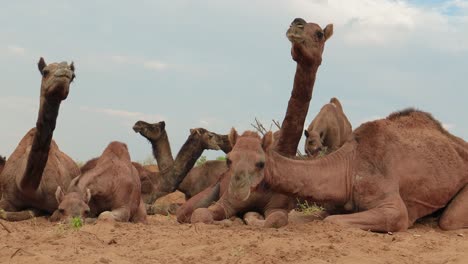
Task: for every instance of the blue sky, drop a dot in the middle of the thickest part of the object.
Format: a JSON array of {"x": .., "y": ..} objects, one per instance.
[{"x": 218, "y": 64}]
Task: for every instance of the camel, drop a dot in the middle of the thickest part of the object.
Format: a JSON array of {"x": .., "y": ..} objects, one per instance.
[
  {"x": 37, "y": 167},
  {"x": 170, "y": 178},
  {"x": 390, "y": 173},
  {"x": 110, "y": 190},
  {"x": 328, "y": 131},
  {"x": 2, "y": 163},
  {"x": 201, "y": 177},
  {"x": 308, "y": 41}
]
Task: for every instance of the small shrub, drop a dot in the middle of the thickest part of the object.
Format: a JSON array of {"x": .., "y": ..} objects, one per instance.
[
  {"x": 323, "y": 152},
  {"x": 222, "y": 158},
  {"x": 308, "y": 209},
  {"x": 76, "y": 222},
  {"x": 201, "y": 161}
]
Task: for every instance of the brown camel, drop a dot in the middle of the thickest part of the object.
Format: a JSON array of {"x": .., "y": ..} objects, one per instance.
[
  {"x": 201, "y": 177},
  {"x": 390, "y": 173},
  {"x": 169, "y": 179},
  {"x": 328, "y": 131},
  {"x": 110, "y": 190},
  {"x": 37, "y": 166},
  {"x": 2, "y": 163},
  {"x": 308, "y": 41}
]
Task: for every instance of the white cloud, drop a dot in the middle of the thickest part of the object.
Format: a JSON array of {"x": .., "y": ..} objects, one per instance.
[
  {"x": 16, "y": 50},
  {"x": 155, "y": 65},
  {"x": 449, "y": 126},
  {"x": 126, "y": 116},
  {"x": 146, "y": 63},
  {"x": 388, "y": 22}
]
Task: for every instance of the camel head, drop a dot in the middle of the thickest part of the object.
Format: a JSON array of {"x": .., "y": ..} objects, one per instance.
[
  {"x": 308, "y": 40},
  {"x": 246, "y": 162},
  {"x": 208, "y": 139},
  {"x": 56, "y": 79},
  {"x": 152, "y": 132},
  {"x": 72, "y": 204},
  {"x": 313, "y": 144}
]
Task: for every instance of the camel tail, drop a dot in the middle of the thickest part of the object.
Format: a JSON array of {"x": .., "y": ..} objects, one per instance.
[{"x": 336, "y": 102}]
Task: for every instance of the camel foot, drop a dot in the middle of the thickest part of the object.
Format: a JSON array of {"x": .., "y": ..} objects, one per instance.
[
  {"x": 202, "y": 215},
  {"x": 107, "y": 217},
  {"x": 276, "y": 219},
  {"x": 254, "y": 219}
]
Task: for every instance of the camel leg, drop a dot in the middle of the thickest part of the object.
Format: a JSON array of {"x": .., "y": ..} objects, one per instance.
[
  {"x": 276, "y": 218},
  {"x": 140, "y": 215},
  {"x": 119, "y": 215},
  {"x": 455, "y": 216},
  {"x": 8, "y": 212},
  {"x": 389, "y": 217},
  {"x": 254, "y": 219},
  {"x": 200, "y": 200},
  {"x": 208, "y": 215}
]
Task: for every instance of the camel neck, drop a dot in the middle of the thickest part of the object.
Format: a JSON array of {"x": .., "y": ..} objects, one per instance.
[
  {"x": 162, "y": 152},
  {"x": 38, "y": 156},
  {"x": 184, "y": 161},
  {"x": 328, "y": 179},
  {"x": 298, "y": 106}
]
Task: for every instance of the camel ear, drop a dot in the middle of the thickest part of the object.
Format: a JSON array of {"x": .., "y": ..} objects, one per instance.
[
  {"x": 328, "y": 31},
  {"x": 41, "y": 65},
  {"x": 267, "y": 140},
  {"x": 72, "y": 66},
  {"x": 87, "y": 195},
  {"x": 306, "y": 133},
  {"x": 233, "y": 137},
  {"x": 163, "y": 125},
  {"x": 59, "y": 194},
  {"x": 194, "y": 130}
]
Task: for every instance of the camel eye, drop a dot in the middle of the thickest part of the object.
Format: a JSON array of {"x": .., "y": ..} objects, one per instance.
[
  {"x": 86, "y": 213},
  {"x": 62, "y": 211},
  {"x": 319, "y": 34},
  {"x": 260, "y": 165},
  {"x": 45, "y": 72}
]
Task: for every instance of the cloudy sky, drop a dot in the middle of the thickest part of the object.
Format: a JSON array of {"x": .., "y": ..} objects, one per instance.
[{"x": 217, "y": 64}]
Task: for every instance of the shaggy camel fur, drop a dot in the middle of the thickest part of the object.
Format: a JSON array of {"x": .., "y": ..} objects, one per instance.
[
  {"x": 199, "y": 140},
  {"x": 37, "y": 166},
  {"x": 110, "y": 190},
  {"x": 308, "y": 41},
  {"x": 329, "y": 130},
  {"x": 390, "y": 173}
]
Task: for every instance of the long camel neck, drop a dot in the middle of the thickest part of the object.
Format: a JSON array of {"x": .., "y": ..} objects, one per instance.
[
  {"x": 37, "y": 159},
  {"x": 162, "y": 152},
  {"x": 298, "y": 106},
  {"x": 328, "y": 179},
  {"x": 184, "y": 162}
]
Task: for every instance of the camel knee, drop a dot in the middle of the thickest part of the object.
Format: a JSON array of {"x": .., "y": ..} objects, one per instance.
[
  {"x": 449, "y": 223},
  {"x": 202, "y": 215},
  {"x": 397, "y": 221}
]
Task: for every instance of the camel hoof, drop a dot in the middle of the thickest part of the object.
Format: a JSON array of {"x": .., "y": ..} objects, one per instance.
[
  {"x": 202, "y": 215},
  {"x": 276, "y": 220},
  {"x": 106, "y": 217}
]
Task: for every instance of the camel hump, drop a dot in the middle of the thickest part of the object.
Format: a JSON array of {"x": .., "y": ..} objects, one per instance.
[{"x": 336, "y": 102}]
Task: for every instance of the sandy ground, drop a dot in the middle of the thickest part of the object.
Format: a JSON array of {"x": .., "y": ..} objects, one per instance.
[{"x": 163, "y": 240}]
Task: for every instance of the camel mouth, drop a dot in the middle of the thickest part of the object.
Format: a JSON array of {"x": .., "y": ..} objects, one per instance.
[{"x": 314, "y": 153}]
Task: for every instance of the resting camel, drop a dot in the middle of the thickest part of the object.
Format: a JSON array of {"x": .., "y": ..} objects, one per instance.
[
  {"x": 110, "y": 190},
  {"x": 201, "y": 177},
  {"x": 308, "y": 41},
  {"x": 390, "y": 173},
  {"x": 328, "y": 131},
  {"x": 170, "y": 176},
  {"x": 37, "y": 166}
]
